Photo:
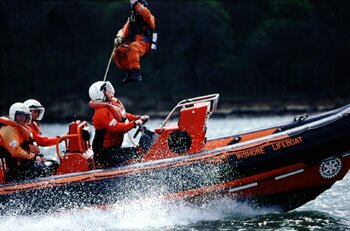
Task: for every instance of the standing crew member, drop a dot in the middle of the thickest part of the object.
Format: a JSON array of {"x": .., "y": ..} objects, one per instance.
[
  {"x": 37, "y": 111},
  {"x": 111, "y": 122},
  {"x": 17, "y": 145},
  {"x": 134, "y": 40}
]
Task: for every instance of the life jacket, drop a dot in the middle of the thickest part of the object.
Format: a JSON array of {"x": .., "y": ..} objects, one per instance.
[
  {"x": 35, "y": 127},
  {"x": 27, "y": 142},
  {"x": 115, "y": 106},
  {"x": 104, "y": 138},
  {"x": 25, "y": 131}
]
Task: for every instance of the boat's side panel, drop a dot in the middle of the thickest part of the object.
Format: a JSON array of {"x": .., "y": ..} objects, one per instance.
[
  {"x": 285, "y": 189},
  {"x": 255, "y": 133},
  {"x": 217, "y": 143},
  {"x": 308, "y": 147},
  {"x": 293, "y": 189},
  {"x": 107, "y": 190}
]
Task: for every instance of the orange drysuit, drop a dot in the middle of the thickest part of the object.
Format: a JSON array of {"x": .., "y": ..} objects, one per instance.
[
  {"x": 136, "y": 33},
  {"x": 110, "y": 123},
  {"x": 15, "y": 138},
  {"x": 39, "y": 138},
  {"x": 20, "y": 151}
]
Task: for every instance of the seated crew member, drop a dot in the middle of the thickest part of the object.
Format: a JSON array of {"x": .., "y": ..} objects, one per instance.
[
  {"x": 17, "y": 145},
  {"x": 38, "y": 111},
  {"x": 111, "y": 122},
  {"x": 134, "y": 40}
]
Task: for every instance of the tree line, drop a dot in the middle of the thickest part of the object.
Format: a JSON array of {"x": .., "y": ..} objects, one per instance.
[{"x": 248, "y": 51}]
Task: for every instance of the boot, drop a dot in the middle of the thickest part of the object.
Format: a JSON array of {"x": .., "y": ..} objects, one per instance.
[
  {"x": 134, "y": 76},
  {"x": 127, "y": 76}
]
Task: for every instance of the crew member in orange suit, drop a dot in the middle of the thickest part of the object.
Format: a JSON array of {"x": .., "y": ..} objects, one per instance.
[
  {"x": 111, "y": 122},
  {"x": 134, "y": 40},
  {"x": 17, "y": 145},
  {"x": 38, "y": 111}
]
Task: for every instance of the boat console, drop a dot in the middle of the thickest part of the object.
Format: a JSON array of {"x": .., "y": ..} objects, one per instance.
[
  {"x": 187, "y": 135},
  {"x": 78, "y": 156}
]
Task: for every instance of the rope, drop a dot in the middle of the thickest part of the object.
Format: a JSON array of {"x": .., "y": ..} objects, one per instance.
[
  {"x": 131, "y": 140},
  {"x": 109, "y": 63}
]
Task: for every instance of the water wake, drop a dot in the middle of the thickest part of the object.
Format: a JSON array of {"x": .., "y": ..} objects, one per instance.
[{"x": 145, "y": 215}]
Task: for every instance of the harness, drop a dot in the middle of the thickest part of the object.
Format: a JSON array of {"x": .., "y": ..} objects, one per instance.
[{"x": 138, "y": 26}]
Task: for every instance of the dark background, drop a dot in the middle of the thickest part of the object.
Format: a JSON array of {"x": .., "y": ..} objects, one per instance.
[{"x": 259, "y": 55}]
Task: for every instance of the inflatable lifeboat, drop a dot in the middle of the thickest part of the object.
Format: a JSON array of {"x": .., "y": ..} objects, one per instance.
[{"x": 282, "y": 166}]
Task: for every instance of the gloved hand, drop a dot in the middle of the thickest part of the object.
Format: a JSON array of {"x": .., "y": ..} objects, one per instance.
[
  {"x": 138, "y": 122},
  {"x": 144, "y": 118},
  {"x": 117, "y": 41},
  {"x": 132, "y": 2},
  {"x": 33, "y": 148},
  {"x": 61, "y": 139},
  {"x": 39, "y": 158}
]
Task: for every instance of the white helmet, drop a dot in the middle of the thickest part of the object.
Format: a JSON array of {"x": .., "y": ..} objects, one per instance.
[
  {"x": 96, "y": 90},
  {"x": 20, "y": 109},
  {"x": 35, "y": 105}
]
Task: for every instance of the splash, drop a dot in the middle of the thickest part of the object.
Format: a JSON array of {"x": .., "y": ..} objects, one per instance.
[{"x": 140, "y": 215}]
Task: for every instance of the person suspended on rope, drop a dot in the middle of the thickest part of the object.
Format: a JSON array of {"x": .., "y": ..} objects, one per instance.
[
  {"x": 18, "y": 147},
  {"x": 111, "y": 122},
  {"x": 134, "y": 40},
  {"x": 37, "y": 111}
]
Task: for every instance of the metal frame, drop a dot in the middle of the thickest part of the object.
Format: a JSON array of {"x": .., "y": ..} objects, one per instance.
[
  {"x": 212, "y": 99},
  {"x": 67, "y": 136}
]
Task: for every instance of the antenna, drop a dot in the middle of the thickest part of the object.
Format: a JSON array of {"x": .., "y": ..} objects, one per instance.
[{"x": 74, "y": 115}]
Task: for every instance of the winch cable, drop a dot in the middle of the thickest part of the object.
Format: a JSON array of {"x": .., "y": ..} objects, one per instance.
[{"x": 109, "y": 63}]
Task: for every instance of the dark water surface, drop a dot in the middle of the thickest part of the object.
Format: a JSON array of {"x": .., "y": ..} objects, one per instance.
[{"x": 330, "y": 211}]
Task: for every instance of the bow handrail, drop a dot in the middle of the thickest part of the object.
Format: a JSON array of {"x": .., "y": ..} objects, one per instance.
[{"x": 212, "y": 99}]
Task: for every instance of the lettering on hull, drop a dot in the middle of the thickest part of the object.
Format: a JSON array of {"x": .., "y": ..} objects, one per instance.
[
  {"x": 249, "y": 153},
  {"x": 275, "y": 147},
  {"x": 287, "y": 143}
]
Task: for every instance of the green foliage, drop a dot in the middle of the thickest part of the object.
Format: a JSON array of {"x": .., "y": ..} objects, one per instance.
[
  {"x": 245, "y": 50},
  {"x": 296, "y": 9}
]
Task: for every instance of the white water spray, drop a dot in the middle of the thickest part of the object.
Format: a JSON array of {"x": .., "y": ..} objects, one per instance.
[{"x": 145, "y": 215}]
